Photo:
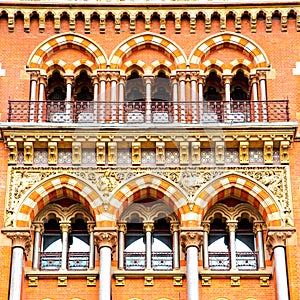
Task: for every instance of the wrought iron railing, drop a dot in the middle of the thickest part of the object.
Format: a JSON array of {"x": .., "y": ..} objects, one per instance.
[
  {"x": 153, "y": 112},
  {"x": 51, "y": 261},
  {"x": 136, "y": 261},
  {"x": 245, "y": 261}
]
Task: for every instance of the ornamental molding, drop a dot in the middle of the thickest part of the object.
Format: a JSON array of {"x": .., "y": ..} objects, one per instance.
[
  {"x": 105, "y": 239},
  {"x": 191, "y": 238},
  {"x": 108, "y": 180}
]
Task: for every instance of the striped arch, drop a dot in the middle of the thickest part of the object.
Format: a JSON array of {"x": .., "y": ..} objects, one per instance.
[
  {"x": 54, "y": 62},
  {"x": 236, "y": 41},
  {"x": 80, "y": 62},
  {"x": 134, "y": 62},
  {"x": 149, "y": 185},
  {"x": 63, "y": 41},
  {"x": 162, "y": 62},
  {"x": 56, "y": 188},
  {"x": 155, "y": 41},
  {"x": 241, "y": 62},
  {"x": 241, "y": 187},
  {"x": 213, "y": 62}
]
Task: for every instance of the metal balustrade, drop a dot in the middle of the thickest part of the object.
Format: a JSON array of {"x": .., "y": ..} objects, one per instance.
[
  {"x": 51, "y": 261},
  {"x": 245, "y": 261},
  {"x": 136, "y": 261},
  {"x": 131, "y": 112}
]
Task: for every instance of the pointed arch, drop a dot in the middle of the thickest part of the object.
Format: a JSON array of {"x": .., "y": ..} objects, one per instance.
[
  {"x": 153, "y": 186},
  {"x": 61, "y": 41},
  {"x": 164, "y": 44},
  {"x": 235, "y": 40},
  {"x": 54, "y": 188},
  {"x": 242, "y": 187}
]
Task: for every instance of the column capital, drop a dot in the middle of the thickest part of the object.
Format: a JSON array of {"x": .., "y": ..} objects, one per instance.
[
  {"x": 174, "y": 226},
  {"x": 38, "y": 226},
  {"x": 181, "y": 75},
  {"x": 277, "y": 237},
  {"x": 227, "y": 79},
  {"x": 148, "y": 226},
  {"x": 258, "y": 226},
  {"x": 69, "y": 79},
  {"x": 192, "y": 237},
  {"x": 65, "y": 226},
  {"x": 34, "y": 75},
  {"x": 91, "y": 226},
  {"x": 105, "y": 238},
  {"x": 20, "y": 237},
  {"x": 43, "y": 79},
  {"x": 122, "y": 226},
  {"x": 232, "y": 225},
  {"x": 206, "y": 226},
  {"x": 261, "y": 75},
  {"x": 103, "y": 75}
]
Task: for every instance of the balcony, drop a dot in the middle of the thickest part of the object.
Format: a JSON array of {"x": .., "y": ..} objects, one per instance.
[{"x": 155, "y": 112}]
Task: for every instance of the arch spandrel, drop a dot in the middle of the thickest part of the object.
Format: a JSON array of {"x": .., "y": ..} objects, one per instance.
[
  {"x": 54, "y": 188},
  {"x": 166, "y": 45},
  {"x": 241, "y": 187},
  {"x": 87, "y": 45},
  {"x": 239, "y": 41}
]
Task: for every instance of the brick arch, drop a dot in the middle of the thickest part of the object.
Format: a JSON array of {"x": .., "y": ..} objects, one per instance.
[
  {"x": 162, "y": 62},
  {"x": 149, "y": 185},
  {"x": 55, "y": 188},
  {"x": 213, "y": 62},
  {"x": 134, "y": 62},
  {"x": 241, "y": 62},
  {"x": 54, "y": 62},
  {"x": 62, "y": 41},
  {"x": 244, "y": 188},
  {"x": 156, "y": 41},
  {"x": 236, "y": 41}
]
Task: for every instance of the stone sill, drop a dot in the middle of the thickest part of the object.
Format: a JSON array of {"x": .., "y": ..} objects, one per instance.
[
  {"x": 235, "y": 273},
  {"x": 151, "y": 273},
  {"x": 62, "y": 273}
]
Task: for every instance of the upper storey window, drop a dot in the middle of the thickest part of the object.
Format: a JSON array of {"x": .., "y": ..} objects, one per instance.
[{"x": 56, "y": 89}]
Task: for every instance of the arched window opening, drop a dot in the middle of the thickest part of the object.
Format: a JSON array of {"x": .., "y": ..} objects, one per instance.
[{"x": 56, "y": 89}]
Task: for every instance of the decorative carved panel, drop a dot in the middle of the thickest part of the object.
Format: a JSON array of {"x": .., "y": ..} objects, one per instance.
[
  {"x": 52, "y": 153},
  {"x": 268, "y": 152},
  {"x": 12, "y": 153},
  {"x": 184, "y": 153},
  {"x": 28, "y": 153},
  {"x": 76, "y": 153},
  {"x": 136, "y": 153},
  {"x": 244, "y": 153},
  {"x": 220, "y": 153},
  {"x": 100, "y": 153},
  {"x": 160, "y": 153},
  {"x": 112, "y": 153},
  {"x": 195, "y": 153},
  {"x": 284, "y": 152}
]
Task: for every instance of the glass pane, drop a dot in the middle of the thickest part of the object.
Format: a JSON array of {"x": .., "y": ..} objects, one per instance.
[
  {"x": 52, "y": 243},
  {"x": 136, "y": 246},
  {"x": 245, "y": 243},
  {"x": 218, "y": 243},
  {"x": 79, "y": 245}
]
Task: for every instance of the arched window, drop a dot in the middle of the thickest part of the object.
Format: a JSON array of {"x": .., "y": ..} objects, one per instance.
[{"x": 149, "y": 241}]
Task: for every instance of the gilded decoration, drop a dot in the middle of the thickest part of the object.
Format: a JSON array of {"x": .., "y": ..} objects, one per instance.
[{"x": 107, "y": 180}]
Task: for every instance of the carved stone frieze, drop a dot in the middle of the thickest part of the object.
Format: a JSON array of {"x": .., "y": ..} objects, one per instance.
[{"x": 106, "y": 181}]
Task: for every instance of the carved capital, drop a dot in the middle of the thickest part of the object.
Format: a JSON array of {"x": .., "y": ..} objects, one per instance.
[
  {"x": 206, "y": 226},
  {"x": 191, "y": 238},
  {"x": 148, "y": 226},
  {"x": 65, "y": 226},
  {"x": 278, "y": 237},
  {"x": 232, "y": 225},
  {"x": 91, "y": 225},
  {"x": 122, "y": 227},
  {"x": 105, "y": 239},
  {"x": 174, "y": 226},
  {"x": 258, "y": 226},
  {"x": 38, "y": 226}
]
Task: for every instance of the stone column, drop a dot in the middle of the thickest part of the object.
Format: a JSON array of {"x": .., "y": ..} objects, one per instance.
[
  {"x": 258, "y": 231},
  {"x": 227, "y": 106},
  {"x": 194, "y": 78},
  {"x": 91, "y": 226},
  {"x": 106, "y": 243},
  {"x": 191, "y": 240},
  {"x": 182, "y": 100},
  {"x": 206, "y": 228},
  {"x": 232, "y": 226},
  {"x": 96, "y": 97},
  {"x": 69, "y": 115},
  {"x": 38, "y": 228},
  {"x": 65, "y": 227},
  {"x": 121, "y": 98},
  {"x": 263, "y": 94},
  {"x": 276, "y": 242},
  {"x": 200, "y": 96},
  {"x": 175, "y": 98},
  {"x": 122, "y": 229},
  {"x": 33, "y": 85},
  {"x": 148, "y": 113},
  {"x": 175, "y": 231},
  {"x": 113, "y": 95},
  {"x": 21, "y": 241},
  {"x": 102, "y": 78},
  {"x": 42, "y": 83},
  {"x": 148, "y": 228},
  {"x": 255, "y": 97}
]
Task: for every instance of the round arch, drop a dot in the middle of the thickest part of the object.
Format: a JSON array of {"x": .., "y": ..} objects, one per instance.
[
  {"x": 241, "y": 187},
  {"x": 166, "y": 45},
  {"x": 235, "y": 40},
  {"x": 55, "y": 188},
  {"x": 153, "y": 186},
  {"x": 60, "y": 41}
]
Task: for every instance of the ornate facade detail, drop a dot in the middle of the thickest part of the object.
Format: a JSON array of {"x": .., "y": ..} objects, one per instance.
[
  {"x": 184, "y": 153},
  {"x": 191, "y": 238},
  {"x": 28, "y": 153},
  {"x": 136, "y": 153},
  {"x": 235, "y": 281},
  {"x": 100, "y": 153},
  {"x": 105, "y": 239},
  {"x": 52, "y": 153},
  {"x": 20, "y": 238},
  {"x": 244, "y": 153},
  {"x": 220, "y": 153},
  {"x": 284, "y": 152},
  {"x": 12, "y": 153},
  {"x": 112, "y": 153},
  {"x": 195, "y": 153},
  {"x": 268, "y": 152},
  {"x": 277, "y": 237},
  {"x": 76, "y": 153},
  {"x": 160, "y": 153}
]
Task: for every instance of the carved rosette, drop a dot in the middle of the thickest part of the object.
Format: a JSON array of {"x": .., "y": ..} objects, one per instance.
[
  {"x": 278, "y": 237},
  {"x": 191, "y": 238},
  {"x": 21, "y": 239},
  {"x": 106, "y": 239}
]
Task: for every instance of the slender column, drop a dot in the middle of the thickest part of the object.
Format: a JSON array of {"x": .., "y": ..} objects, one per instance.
[
  {"x": 181, "y": 79},
  {"x": 33, "y": 85},
  {"x": 91, "y": 226},
  {"x": 113, "y": 95},
  {"x": 191, "y": 241},
  {"x": 148, "y": 228},
  {"x": 206, "y": 228},
  {"x": 21, "y": 241},
  {"x": 122, "y": 229},
  {"x": 148, "y": 116},
  {"x": 227, "y": 108},
  {"x": 96, "y": 95},
  {"x": 175, "y": 98},
  {"x": 42, "y": 83},
  {"x": 263, "y": 94},
  {"x": 175, "y": 231},
  {"x": 258, "y": 230},
  {"x": 255, "y": 97},
  {"x": 232, "y": 226},
  {"x": 106, "y": 243},
  {"x": 38, "y": 231},
  {"x": 121, "y": 99},
  {"x": 193, "y": 78},
  {"x": 276, "y": 243},
  {"x": 200, "y": 96},
  {"x": 69, "y": 80},
  {"x": 65, "y": 227},
  {"x": 102, "y": 79}
]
